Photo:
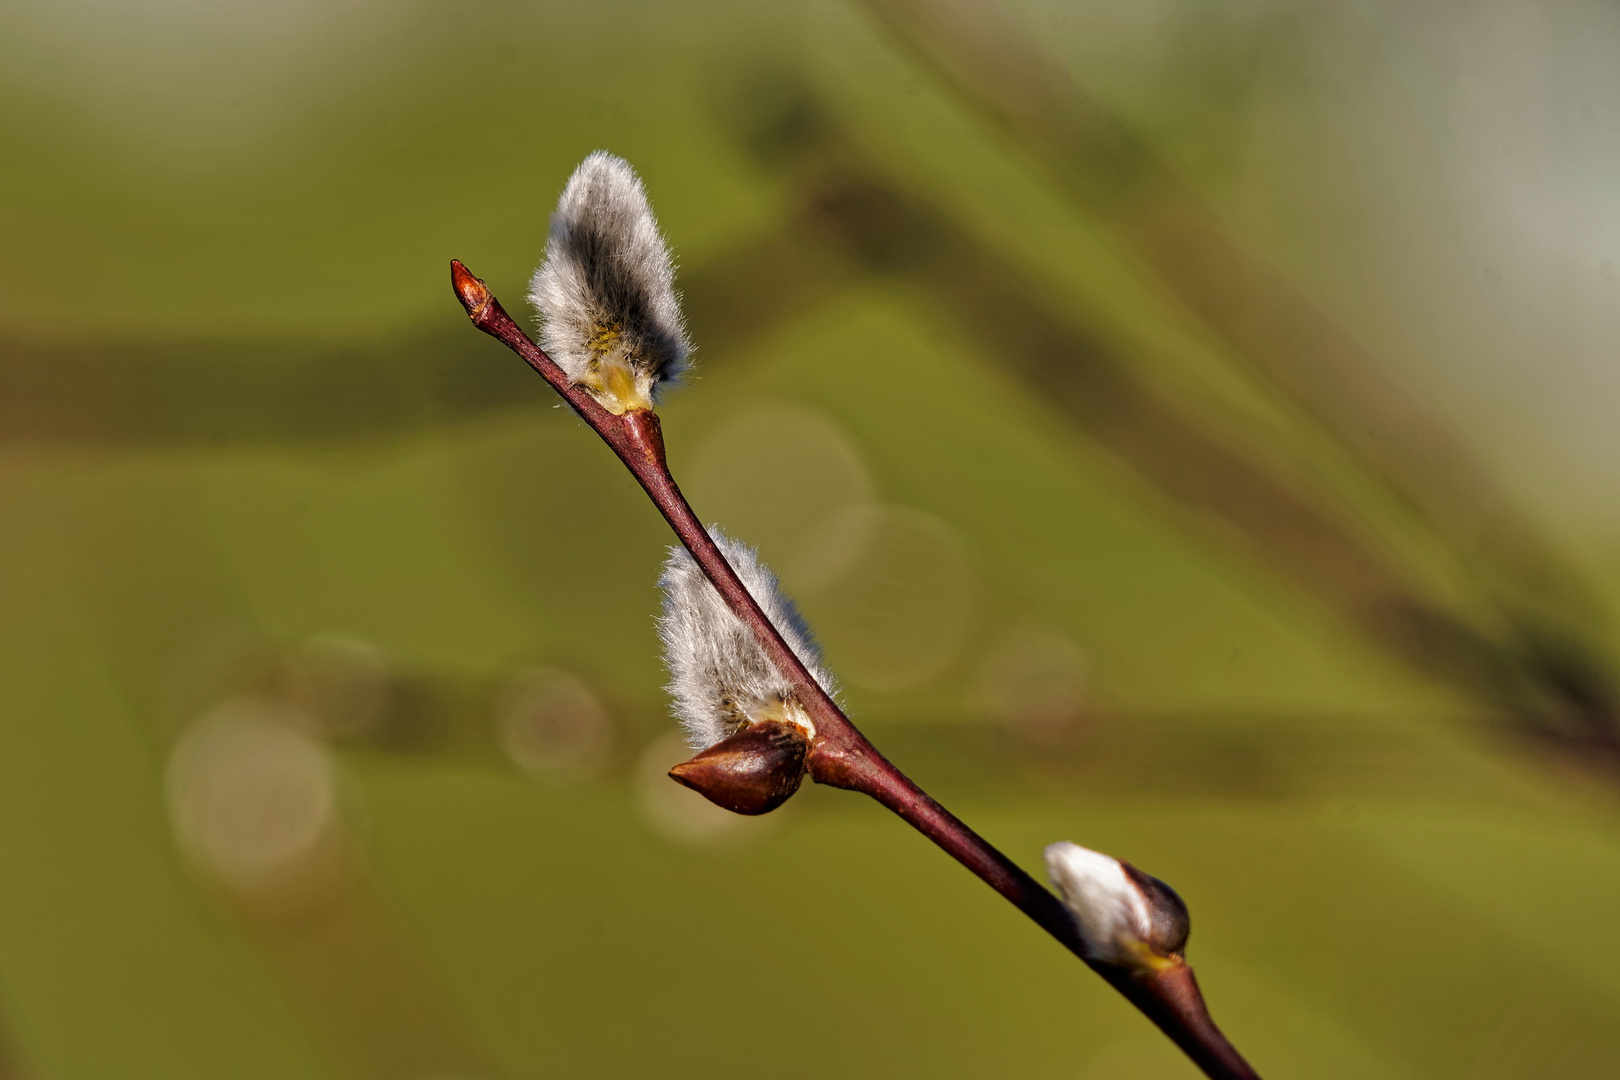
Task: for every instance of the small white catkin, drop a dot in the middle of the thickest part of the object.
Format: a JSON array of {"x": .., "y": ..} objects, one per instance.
[
  {"x": 720, "y": 678},
  {"x": 606, "y": 291},
  {"x": 1110, "y": 909}
]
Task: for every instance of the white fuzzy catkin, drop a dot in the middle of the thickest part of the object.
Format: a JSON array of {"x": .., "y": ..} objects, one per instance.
[
  {"x": 1112, "y": 912},
  {"x": 606, "y": 291},
  {"x": 720, "y": 678}
]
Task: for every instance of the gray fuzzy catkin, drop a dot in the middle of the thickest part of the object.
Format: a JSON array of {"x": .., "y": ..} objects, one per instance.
[
  {"x": 607, "y": 286},
  {"x": 719, "y": 677}
]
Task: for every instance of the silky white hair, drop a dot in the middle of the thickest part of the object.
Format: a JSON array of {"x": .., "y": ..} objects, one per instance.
[
  {"x": 1113, "y": 915},
  {"x": 606, "y": 291},
  {"x": 719, "y": 676}
]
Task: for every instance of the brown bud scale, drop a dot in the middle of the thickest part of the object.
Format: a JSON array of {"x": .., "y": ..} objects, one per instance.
[
  {"x": 752, "y": 771},
  {"x": 1167, "y": 913}
]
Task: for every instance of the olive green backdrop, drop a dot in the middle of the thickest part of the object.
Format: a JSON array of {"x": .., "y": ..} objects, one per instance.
[{"x": 1189, "y": 429}]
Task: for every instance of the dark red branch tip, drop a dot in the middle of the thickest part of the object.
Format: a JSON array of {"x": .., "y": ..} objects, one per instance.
[{"x": 471, "y": 291}]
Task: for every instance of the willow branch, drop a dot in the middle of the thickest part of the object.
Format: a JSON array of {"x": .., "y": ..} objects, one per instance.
[{"x": 840, "y": 755}]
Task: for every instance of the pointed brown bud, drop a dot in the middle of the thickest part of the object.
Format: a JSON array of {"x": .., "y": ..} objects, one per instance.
[
  {"x": 474, "y": 296},
  {"x": 752, "y": 771}
]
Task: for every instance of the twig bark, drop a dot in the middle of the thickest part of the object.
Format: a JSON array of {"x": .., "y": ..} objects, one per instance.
[{"x": 840, "y": 755}]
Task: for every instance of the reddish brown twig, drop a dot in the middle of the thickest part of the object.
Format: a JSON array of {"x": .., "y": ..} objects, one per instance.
[{"x": 839, "y": 754}]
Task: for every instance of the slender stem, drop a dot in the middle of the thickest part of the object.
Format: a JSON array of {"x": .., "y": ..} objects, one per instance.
[{"x": 840, "y": 755}]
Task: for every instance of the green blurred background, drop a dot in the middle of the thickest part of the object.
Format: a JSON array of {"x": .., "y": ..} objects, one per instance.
[{"x": 1190, "y": 428}]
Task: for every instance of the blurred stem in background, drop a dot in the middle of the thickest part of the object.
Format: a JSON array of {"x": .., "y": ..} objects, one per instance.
[
  {"x": 1534, "y": 658},
  {"x": 1550, "y": 687},
  {"x": 257, "y": 806},
  {"x": 11, "y": 1067},
  {"x": 1521, "y": 648}
]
